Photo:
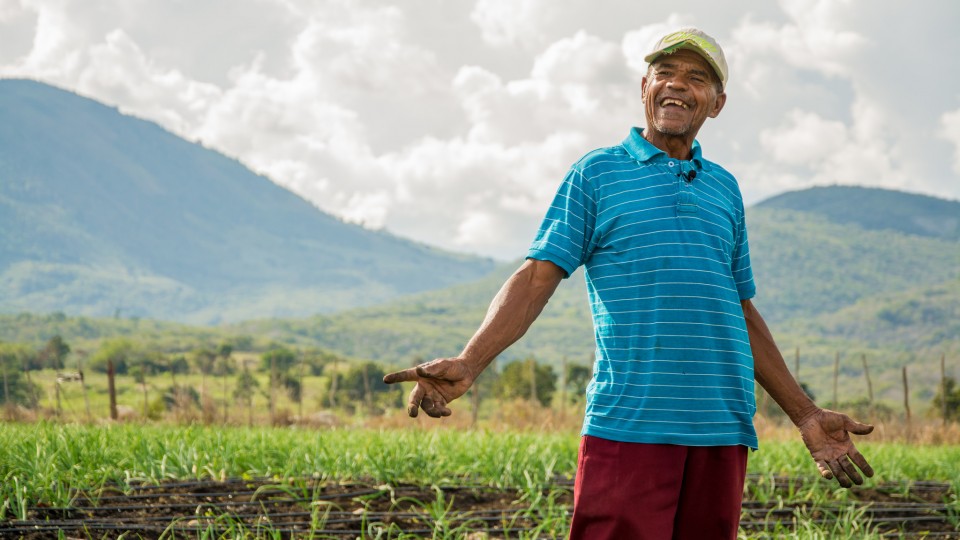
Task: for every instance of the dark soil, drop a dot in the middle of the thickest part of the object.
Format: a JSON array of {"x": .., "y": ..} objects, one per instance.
[{"x": 295, "y": 507}]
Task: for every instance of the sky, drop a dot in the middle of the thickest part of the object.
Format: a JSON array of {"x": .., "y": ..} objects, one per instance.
[{"x": 452, "y": 122}]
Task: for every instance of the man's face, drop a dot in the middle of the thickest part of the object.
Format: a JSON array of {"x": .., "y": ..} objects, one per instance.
[{"x": 679, "y": 92}]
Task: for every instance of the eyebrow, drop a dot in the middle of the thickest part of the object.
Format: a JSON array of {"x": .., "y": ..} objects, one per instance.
[{"x": 695, "y": 71}]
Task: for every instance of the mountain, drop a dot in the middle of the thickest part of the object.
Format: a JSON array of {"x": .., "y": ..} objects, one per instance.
[
  {"x": 875, "y": 209},
  {"x": 810, "y": 273},
  {"x": 102, "y": 214}
]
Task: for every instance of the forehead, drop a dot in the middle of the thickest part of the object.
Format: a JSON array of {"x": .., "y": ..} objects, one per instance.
[{"x": 684, "y": 59}]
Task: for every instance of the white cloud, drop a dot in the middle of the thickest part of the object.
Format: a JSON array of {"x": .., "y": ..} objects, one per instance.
[
  {"x": 950, "y": 130},
  {"x": 453, "y": 123},
  {"x": 510, "y": 22},
  {"x": 807, "y": 139}
]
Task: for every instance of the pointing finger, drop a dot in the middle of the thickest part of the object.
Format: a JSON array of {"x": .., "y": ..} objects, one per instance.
[{"x": 406, "y": 375}]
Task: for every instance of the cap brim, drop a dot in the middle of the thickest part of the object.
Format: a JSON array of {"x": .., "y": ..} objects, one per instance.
[{"x": 691, "y": 46}]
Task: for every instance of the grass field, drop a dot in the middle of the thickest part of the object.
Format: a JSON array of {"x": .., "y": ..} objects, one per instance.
[{"x": 47, "y": 465}]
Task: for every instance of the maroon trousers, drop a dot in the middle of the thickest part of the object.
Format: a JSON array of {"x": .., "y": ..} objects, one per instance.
[{"x": 657, "y": 491}]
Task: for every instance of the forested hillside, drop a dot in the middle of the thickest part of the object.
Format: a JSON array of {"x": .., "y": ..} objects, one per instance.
[
  {"x": 806, "y": 268},
  {"x": 103, "y": 214},
  {"x": 829, "y": 290},
  {"x": 876, "y": 209}
]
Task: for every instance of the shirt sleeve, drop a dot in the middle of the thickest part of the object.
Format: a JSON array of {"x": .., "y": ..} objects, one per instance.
[
  {"x": 742, "y": 272},
  {"x": 565, "y": 236}
]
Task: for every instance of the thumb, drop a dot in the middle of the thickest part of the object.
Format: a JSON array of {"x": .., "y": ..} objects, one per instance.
[
  {"x": 433, "y": 370},
  {"x": 857, "y": 428}
]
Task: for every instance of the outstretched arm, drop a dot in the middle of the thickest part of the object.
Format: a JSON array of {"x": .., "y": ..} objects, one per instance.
[
  {"x": 826, "y": 433},
  {"x": 512, "y": 311}
]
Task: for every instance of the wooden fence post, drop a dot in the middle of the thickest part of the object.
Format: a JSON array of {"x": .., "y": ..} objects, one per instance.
[
  {"x": 273, "y": 395},
  {"x": 112, "y": 389},
  {"x": 906, "y": 400},
  {"x": 475, "y": 402},
  {"x": 333, "y": 386},
  {"x": 226, "y": 391},
  {"x": 943, "y": 386},
  {"x": 6, "y": 390},
  {"x": 367, "y": 393},
  {"x": 300, "y": 382},
  {"x": 866, "y": 373},
  {"x": 836, "y": 374},
  {"x": 83, "y": 388},
  {"x": 533, "y": 380},
  {"x": 796, "y": 364},
  {"x": 56, "y": 388}
]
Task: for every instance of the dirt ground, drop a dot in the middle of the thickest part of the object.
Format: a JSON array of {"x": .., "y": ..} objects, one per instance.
[{"x": 295, "y": 507}]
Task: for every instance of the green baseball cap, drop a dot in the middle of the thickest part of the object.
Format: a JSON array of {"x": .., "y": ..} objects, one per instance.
[{"x": 697, "y": 41}]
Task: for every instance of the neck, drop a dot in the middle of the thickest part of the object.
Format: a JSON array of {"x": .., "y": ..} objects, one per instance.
[{"x": 676, "y": 146}]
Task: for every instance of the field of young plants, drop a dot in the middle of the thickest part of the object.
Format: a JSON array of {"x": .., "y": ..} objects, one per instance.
[{"x": 156, "y": 481}]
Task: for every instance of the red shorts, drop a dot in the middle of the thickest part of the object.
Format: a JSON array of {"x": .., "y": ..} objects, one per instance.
[{"x": 657, "y": 491}]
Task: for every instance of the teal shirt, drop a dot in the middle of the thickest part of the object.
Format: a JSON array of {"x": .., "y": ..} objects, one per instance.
[{"x": 664, "y": 247}]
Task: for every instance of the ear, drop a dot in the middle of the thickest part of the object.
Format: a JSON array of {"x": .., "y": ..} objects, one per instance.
[
  {"x": 718, "y": 104},
  {"x": 643, "y": 89}
]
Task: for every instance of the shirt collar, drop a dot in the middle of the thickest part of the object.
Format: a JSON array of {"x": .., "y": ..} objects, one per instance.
[{"x": 642, "y": 150}]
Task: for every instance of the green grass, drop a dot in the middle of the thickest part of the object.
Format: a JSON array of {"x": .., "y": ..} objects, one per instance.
[{"x": 45, "y": 462}]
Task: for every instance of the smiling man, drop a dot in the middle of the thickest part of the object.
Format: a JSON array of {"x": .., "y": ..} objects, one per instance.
[{"x": 661, "y": 234}]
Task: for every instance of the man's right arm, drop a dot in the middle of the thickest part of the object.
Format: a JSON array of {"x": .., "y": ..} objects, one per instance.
[{"x": 512, "y": 311}]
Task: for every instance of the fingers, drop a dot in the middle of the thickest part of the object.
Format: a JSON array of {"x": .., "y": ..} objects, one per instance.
[
  {"x": 824, "y": 469},
  {"x": 435, "y": 407},
  {"x": 432, "y": 404},
  {"x": 856, "y": 427},
  {"x": 406, "y": 375},
  {"x": 413, "y": 402},
  {"x": 429, "y": 370},
  {"x": 861, "y": 462},
  {"x": 852, "y": 474},
  {"x": 845, "y": 470}
]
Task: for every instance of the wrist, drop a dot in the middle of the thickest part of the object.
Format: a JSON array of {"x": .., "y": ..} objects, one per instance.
[{"x": 804, "y": 415}]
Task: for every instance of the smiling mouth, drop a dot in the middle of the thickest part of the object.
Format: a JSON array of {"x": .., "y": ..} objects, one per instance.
[{"x": 674, "y": 102}]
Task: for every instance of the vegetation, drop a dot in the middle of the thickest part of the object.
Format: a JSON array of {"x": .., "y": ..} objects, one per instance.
[
  {"x": 105, "y": 214},
  {"x": 876, "y": 209},
  {"x": 45, "y": 464}
]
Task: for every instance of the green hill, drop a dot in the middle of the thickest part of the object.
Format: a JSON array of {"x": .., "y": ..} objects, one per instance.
[
  {"x": 875, "y": 209},
  {"x": 102, "y": 213},
  {"x": 806, "y": 268},
  {"x": 826, "y": 288}
]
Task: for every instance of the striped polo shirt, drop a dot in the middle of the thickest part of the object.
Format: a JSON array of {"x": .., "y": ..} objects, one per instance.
[{"x": 664, "y": 248}]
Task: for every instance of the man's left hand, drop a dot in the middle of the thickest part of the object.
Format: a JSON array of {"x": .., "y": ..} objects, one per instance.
[{"x": 827, "y": 436}]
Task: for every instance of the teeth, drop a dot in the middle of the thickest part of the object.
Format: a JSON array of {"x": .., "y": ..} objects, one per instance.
[{"x": 671, "y": 101}]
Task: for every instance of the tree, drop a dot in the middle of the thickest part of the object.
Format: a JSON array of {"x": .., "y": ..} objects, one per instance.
[
  {"x": 952, "y": 408},
  {"x": 15, "y": 387},
  {"x": 204, "y": 359},
  {"x": 246, "y": 387},
  {"x": 363, "y": 384},
  {"x": 279, "y": 358},
  {"x": 515, "y": 381},
  {"x": 224, "y": 367},
  {"x": 578, "y": 375},
  {"x": 54, "y": 353},
  {"x": 121, "y": 351}
]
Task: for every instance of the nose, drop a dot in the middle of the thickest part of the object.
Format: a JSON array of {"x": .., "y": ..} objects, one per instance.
[{"x": 677, "y": 83}]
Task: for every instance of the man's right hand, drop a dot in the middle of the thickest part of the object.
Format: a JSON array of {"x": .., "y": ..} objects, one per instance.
[{"x": 438, "y": 383}]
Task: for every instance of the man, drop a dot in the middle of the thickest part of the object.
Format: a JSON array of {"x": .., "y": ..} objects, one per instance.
[{"x": 660, "y": 231}]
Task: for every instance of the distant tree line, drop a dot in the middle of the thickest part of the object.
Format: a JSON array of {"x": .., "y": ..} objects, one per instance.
[{"x": 276, "y": 373}]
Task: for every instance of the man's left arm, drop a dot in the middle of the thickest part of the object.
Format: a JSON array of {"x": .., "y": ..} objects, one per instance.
[{"x": 826, "y": 433}]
